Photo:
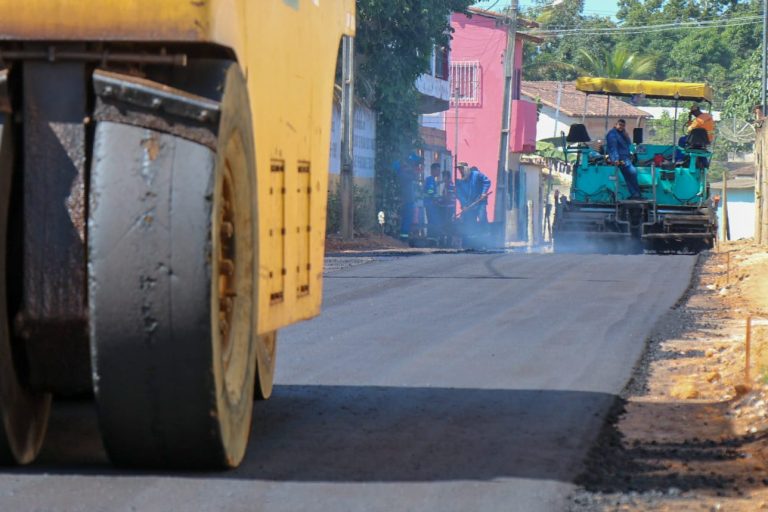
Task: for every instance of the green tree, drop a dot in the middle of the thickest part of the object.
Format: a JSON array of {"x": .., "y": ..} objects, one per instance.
[
  {"x": 662, "y": 130},
  {"x": 745, "y": 92},
  {"x": 395, "y": 40},
  {"x": 558, "y": 58},
  {"x": 619, "y": 63},
  {"x": 716, "y": 53}
]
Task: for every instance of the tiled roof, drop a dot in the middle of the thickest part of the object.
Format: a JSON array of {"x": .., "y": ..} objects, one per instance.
[
  {"x": 741, "y": 169},
  {"x": 499, "y": 12},
  {"x": 741, "y": 183},
  {"x": 572, "y": 101}
]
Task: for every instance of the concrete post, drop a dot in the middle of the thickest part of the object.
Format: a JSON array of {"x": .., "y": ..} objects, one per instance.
[{"x": 346, "y": 184}]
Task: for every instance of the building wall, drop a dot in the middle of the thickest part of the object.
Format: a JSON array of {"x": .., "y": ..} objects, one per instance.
[
  {"x": 547, "y": 127},
  {"x": 533, "y": 193},
  {"x": 479, "y": 39},
  {"x": 741, "y": 213},
  {"x": 364, "y": 150},
  {"x": 523, "y": 134}
]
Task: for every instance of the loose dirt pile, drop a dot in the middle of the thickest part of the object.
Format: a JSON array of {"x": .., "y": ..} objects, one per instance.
[{"x": 691, "y": 432}]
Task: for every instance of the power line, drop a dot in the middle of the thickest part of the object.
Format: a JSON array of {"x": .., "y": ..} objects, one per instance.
[
  {"x": 676, "y": 24},
  {"x": 661, "y": 27}
]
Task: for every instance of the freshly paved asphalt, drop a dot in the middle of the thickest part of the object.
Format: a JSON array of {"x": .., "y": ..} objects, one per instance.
[{"x": 453, "y": 382}]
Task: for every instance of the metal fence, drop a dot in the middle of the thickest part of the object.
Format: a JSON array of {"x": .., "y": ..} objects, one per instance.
[{"x": 466, "y": 83}]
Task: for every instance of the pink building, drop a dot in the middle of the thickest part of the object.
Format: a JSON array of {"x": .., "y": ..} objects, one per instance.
[{"x": 477, "y": 85}]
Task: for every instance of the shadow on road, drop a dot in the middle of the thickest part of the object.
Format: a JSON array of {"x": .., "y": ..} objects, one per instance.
[
  {"x": 365, "y": 434},
  {"x": 349, "y": 433},
  {"x": 391, "y": 434}
]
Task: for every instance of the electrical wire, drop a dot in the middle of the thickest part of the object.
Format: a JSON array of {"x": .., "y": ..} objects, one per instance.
[
  {"x": 673, "y": 23},
  {"x": 661, "y": 27}
]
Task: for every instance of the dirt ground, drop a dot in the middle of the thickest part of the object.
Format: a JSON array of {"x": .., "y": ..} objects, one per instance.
[
  {"x": 363, "y": 242},
  {"x": 691, "y": 432}
]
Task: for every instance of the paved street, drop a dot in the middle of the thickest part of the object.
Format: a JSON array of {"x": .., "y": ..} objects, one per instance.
[{"x": 449, "y": 382}]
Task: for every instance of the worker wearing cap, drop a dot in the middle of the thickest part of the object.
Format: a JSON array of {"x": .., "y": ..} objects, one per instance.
[
  {"x": 701, "y": 120},
  {"x": 472, "y": 191}
]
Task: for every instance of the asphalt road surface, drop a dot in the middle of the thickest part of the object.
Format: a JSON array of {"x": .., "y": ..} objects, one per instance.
[{"x": 453, "y": 382}]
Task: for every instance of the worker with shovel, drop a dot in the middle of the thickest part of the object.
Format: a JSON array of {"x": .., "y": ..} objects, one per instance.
[{"x": 473, "y": 191}]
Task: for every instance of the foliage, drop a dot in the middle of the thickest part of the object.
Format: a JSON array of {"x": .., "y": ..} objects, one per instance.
[
  {"x": 619, "y": 63},
  {"x": 395, "y": 40},
  {"x": 363, "y": 217},
  {"x": 745, "y": 93},
  {"x": 560, "y": 59},
  {"x": 662, "y": 130},
  {"x": 719, "y": 54}
]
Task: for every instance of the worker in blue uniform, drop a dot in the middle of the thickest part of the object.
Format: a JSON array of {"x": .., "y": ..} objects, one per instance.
[
  {"x": 406, "y": 173},
  {"x": 472, "y": 191},
  {"x": 619, "y": 144},
  {"x": 431, "y": 193}
]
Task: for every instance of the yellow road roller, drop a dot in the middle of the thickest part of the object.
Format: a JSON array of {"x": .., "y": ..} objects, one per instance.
[{"x": 163, "y": 183}]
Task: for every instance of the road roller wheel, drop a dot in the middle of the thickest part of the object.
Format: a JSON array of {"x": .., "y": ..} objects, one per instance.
[
  {"x": 23, "y": 413},
  {"x": 266, "y": 351},
  {"x": 171, "y": 274}
]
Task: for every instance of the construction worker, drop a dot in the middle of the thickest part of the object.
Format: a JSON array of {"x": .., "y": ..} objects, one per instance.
[
  {"x": 446, "y": 203},
  {"x": 472, "y": 191},
  {"x": 619, "y": 144},
  {"x": 699, "y": 119},
  {"x": 407, "y": 175},
  {"x": 431, "y": 196}
]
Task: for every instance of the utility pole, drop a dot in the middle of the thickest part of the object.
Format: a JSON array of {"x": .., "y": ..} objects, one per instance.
[
  {"x": 456, "y": 134},
  {"x": 724, "y": 202},
  {"x": 557, "y": 107},
  {"x": 500, "y": 212},
  {"x": 347, "y": 138},
  {"x": 764, "y": 73}
]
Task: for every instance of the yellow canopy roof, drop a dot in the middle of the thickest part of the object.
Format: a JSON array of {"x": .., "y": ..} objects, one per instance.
[{"x": 649, "y": 88}]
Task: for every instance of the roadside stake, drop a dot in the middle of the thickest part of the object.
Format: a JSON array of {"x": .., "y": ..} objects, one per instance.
[{"x": 747, "y": 349}]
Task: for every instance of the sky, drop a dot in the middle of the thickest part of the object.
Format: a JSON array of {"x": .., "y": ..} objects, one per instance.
[{"x": 595, "y": 7}]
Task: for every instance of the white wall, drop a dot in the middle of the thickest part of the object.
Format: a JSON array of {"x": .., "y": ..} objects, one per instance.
[
  {"x": 533, "y": 193},
  {"x": 741, "y": 213},
  {"x": 436, "y": 120},
  {"x": 551, "y": 123},
  {"x": 365, "y": 142}
]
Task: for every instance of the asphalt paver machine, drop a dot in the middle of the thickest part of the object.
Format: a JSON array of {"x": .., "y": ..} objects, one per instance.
[
  {"x": 675, "y": 212},
  {"x": 163, "y": 183}
]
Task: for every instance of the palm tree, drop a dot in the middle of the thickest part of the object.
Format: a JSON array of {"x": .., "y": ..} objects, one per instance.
[{"x": 619, "y": 63}]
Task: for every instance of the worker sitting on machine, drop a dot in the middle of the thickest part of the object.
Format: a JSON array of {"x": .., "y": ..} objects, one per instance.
[
  {"x": 619, "y": 153},
  {"x": 699, "y": 119}
]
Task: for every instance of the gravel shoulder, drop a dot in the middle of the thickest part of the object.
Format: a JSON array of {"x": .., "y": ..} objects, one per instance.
[{"x": 690, "y": 430}]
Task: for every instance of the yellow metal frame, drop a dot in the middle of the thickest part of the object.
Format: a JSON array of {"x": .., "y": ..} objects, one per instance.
[
  {"x": 649, "y": 88},
  {"x": 288, "y": 51}
]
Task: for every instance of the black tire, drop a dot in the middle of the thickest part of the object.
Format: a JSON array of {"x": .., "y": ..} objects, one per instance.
[
  {"x": 172, "y": 244},
  {"x": 23, "y": 413}
]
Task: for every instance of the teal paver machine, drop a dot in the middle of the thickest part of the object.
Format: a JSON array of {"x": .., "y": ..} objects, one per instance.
[{"x": 674, "y": 214}]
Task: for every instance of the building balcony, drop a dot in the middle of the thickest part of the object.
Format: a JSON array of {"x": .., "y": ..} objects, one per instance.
[
  {"x": 434, "y": 86},
  {"x": 435, "y": 94},
  {"x": 523, "y": 125}
]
